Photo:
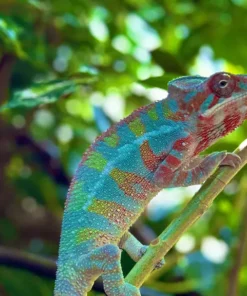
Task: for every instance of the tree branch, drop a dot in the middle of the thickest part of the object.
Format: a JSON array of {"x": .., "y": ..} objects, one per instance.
[
  {"x": 36, "y": 264},
  {"x": 192, "y": 212},
  {"x": 241, "y": 247}
]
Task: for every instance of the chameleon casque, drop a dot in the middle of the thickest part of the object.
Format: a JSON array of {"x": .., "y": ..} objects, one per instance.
[{"x": 155, "y": 147}]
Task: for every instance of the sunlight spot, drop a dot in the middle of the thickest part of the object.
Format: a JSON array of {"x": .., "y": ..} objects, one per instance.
[
  {"x": 156, "y": 94},
  {"x": 141, "y": 33},
  {"x": 28, "y": 94},
  {"x": 44, "y": 118},
  {"x": 185, "y": 244},
  {"x": 97, "y": 98},
  {"x": 98, "y": 29},
  {"x": 142, "y": 55},
  {"x": 214, "y": 250},
  {"x": 138, "y": 89},
  {"x": 114, "y": 106},
  {"x": 122, "y": 44},
  {"x": 64, "y": 133},
  {"x": 168, "y": 200},
  {"x": 90, "y": 134},
  {"x": 205, "y": 64}
]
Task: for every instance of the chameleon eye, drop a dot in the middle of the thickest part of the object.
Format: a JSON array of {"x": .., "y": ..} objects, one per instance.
[{"x": 222, "y": 84}]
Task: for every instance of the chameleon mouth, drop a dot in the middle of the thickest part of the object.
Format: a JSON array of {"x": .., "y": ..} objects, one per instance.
[{"x": 238, "y": 102}]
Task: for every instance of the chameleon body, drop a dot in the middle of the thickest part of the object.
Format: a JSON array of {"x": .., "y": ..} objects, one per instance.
[{"x": 156, "y": 147}]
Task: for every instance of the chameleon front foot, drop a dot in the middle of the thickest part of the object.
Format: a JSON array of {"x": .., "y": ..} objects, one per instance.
[{"x": 231, "y": 159}]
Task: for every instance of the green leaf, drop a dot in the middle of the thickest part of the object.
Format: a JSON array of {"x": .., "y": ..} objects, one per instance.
[
  {"x": 9, "y": 36},
  {"x": 48, "y": 92}
]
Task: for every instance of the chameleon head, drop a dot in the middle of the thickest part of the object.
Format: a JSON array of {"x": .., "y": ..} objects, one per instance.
[
  {"x": 217, "y": 101},
  {"x": 227, "y": 98},
  {"x": 224, "y": 107},
  {"x": 216, "y": 105}
]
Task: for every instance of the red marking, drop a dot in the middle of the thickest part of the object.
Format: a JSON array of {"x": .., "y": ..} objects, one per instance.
[
  {"x": 182, "y": 144},
  {"x": 164, "y": 176},
  {"x": 164, "y": 170},
  {"x": 231, "y": 122},
  {"x": 196, "y": 102},
  {"x": 150, "y": 160},
  {"x": 205, "y": 140},
  {"x": 172, "y": 161}
]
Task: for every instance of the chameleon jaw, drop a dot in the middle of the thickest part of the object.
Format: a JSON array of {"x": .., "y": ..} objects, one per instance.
[{"x": 237, "y": 102}]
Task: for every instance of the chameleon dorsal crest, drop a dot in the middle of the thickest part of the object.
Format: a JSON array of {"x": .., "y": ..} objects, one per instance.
[{"x": 185, "y": 85}]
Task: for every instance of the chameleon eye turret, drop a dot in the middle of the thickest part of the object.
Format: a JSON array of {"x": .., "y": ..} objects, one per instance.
[{"x": 222, "y": 84}]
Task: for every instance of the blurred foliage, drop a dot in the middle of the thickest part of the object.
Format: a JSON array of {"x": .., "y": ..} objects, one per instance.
[
  {"x": 44, "y": 93},
  {"x": 109, "y": 58}
]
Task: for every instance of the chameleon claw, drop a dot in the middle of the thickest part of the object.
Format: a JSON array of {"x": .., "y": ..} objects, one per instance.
[
  {"x": 143, "y": 250},
  {"x": 232, "y": 160},
  {"x": 158, "y": 264}
]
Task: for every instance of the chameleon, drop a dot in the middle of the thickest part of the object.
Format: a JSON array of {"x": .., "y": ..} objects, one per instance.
[{"x": 157, "y": 146}]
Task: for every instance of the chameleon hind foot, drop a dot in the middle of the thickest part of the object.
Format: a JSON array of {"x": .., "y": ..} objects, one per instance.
[
  {"x": 105, "y": 262},
  {"x": 159, "y": 264}
]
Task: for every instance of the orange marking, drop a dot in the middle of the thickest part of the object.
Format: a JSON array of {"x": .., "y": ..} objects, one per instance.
[
  {"x": 129, "y": 183},
  {"x": 150, "y": 160},
  {"x": 113, "y": 211}
]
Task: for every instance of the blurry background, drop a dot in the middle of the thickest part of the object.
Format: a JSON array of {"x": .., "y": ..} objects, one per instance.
[{"x": 68, "y": 69}]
